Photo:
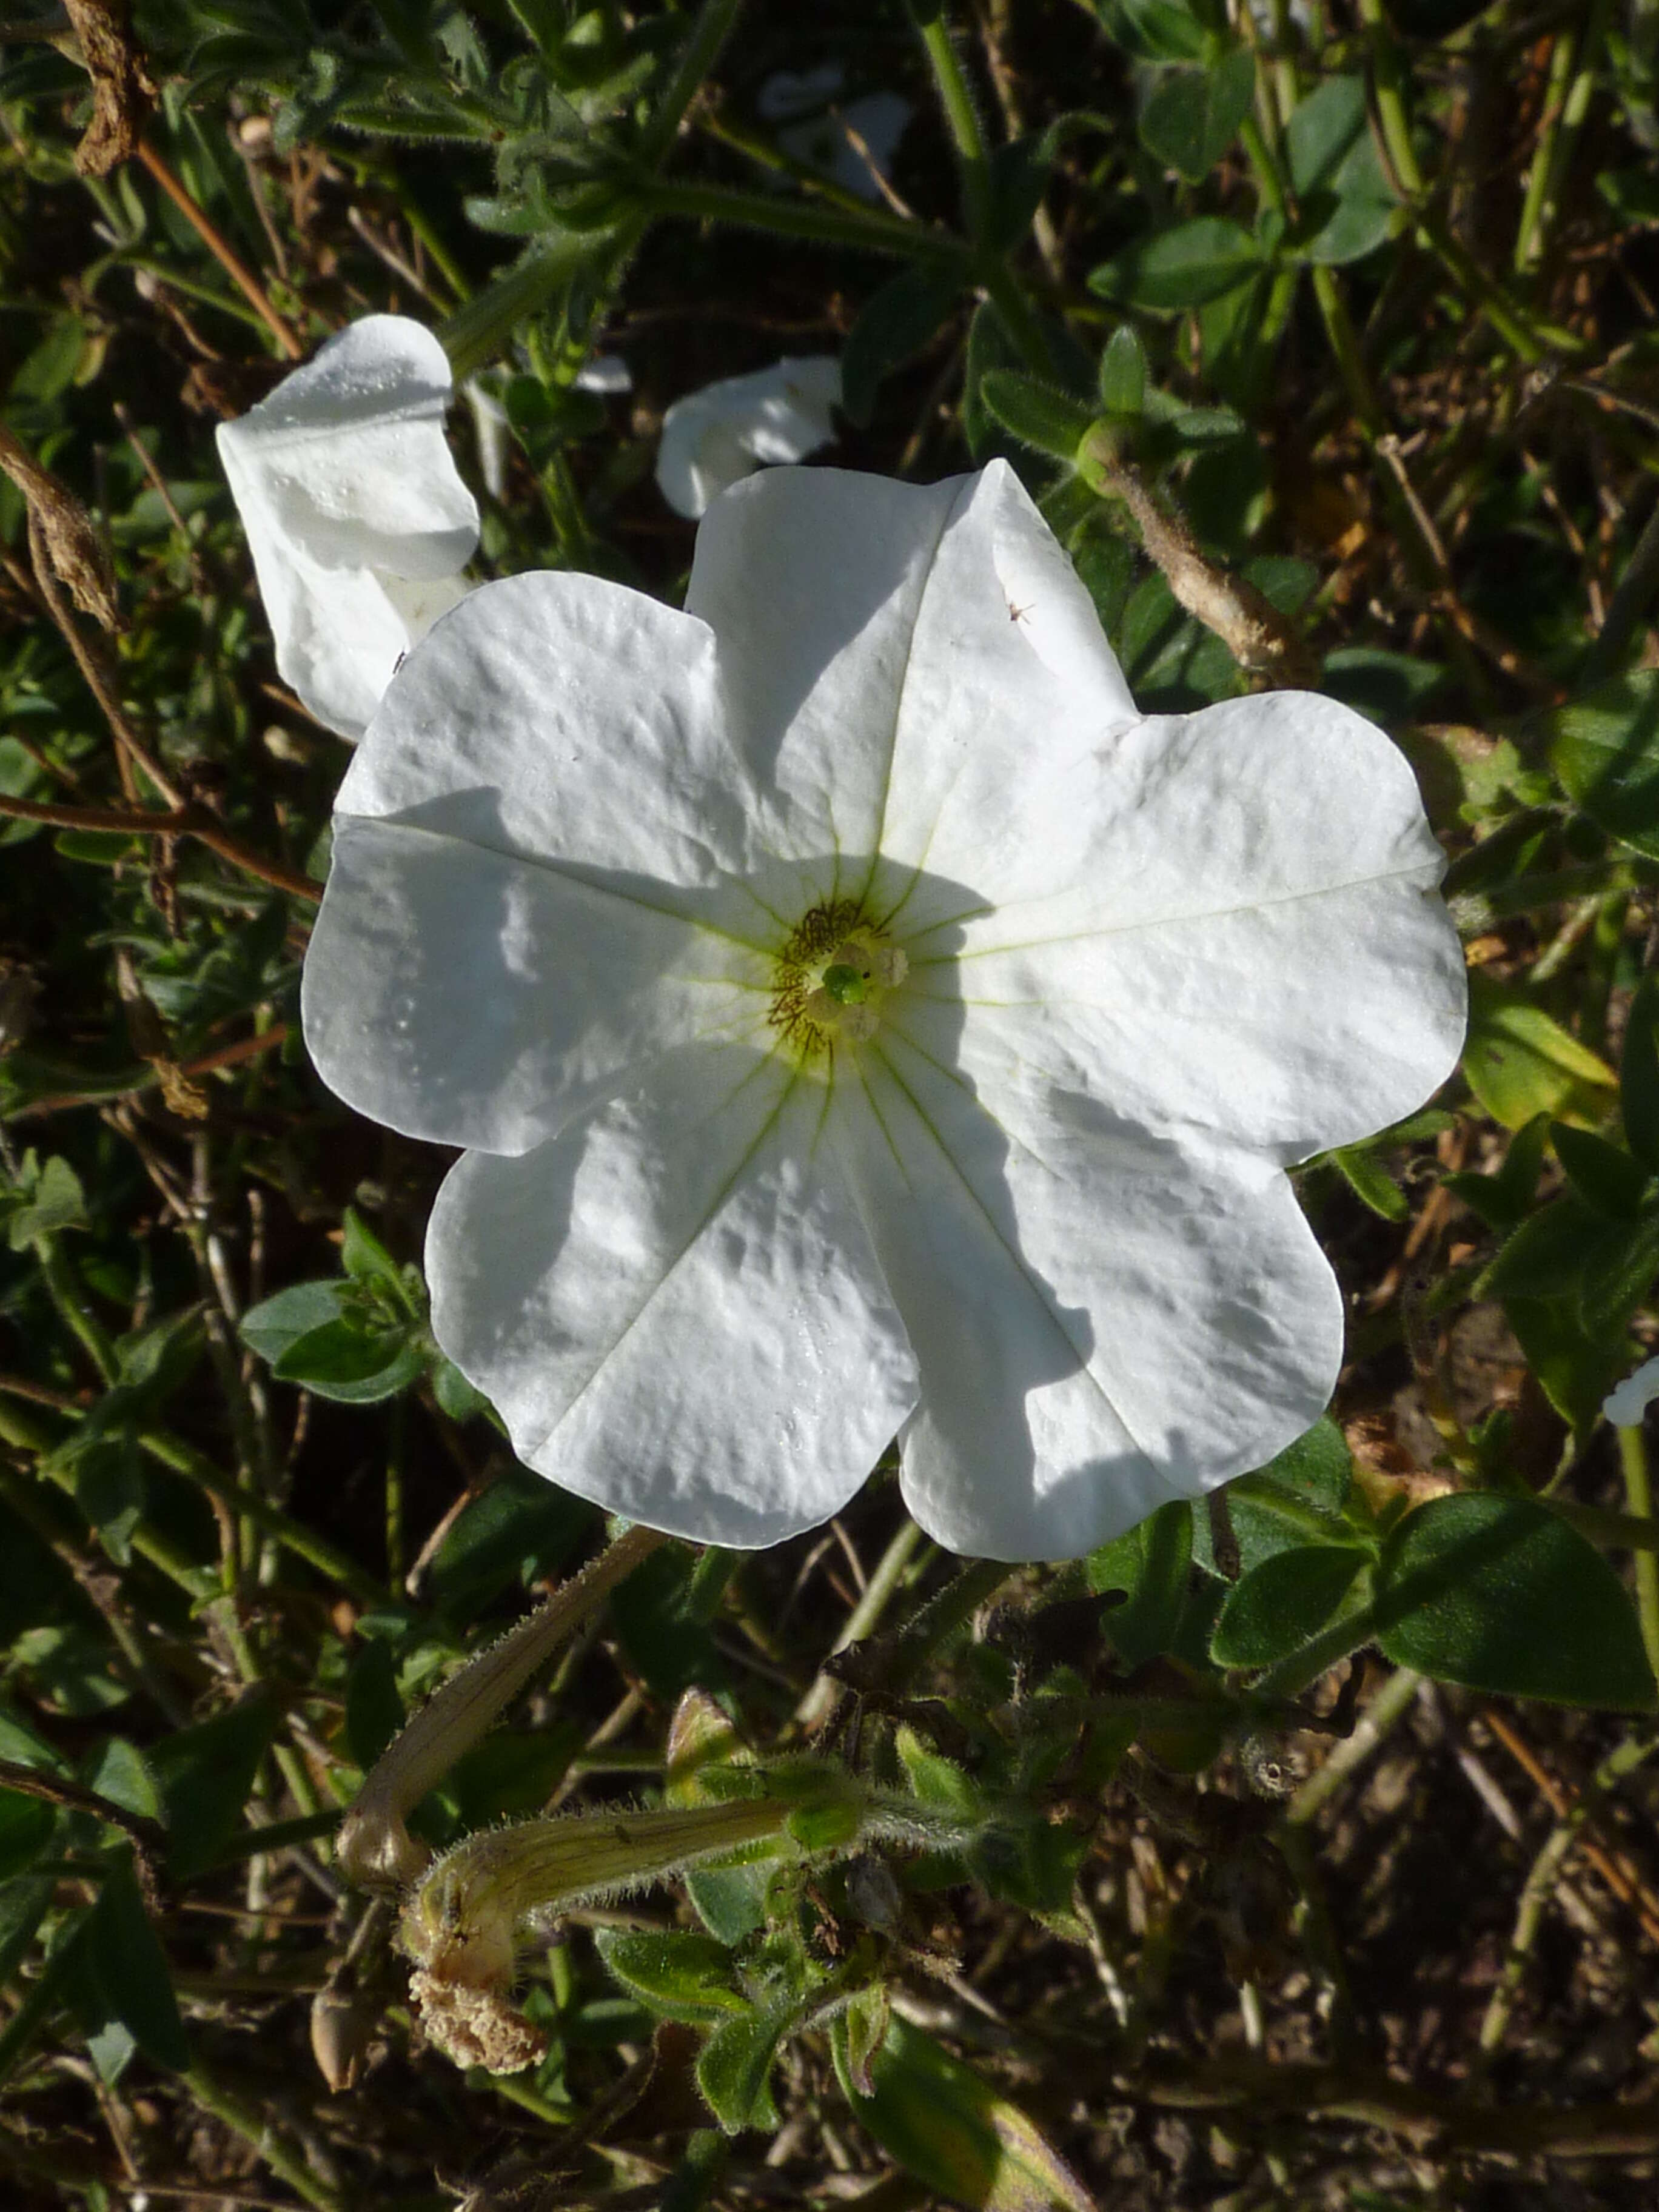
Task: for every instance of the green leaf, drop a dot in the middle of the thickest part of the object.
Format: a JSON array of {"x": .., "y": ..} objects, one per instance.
[
  {"x": 129, "y": 1969},
  {"x": 1574, "y": 1367},
  {"x": 1370, "y": 1181},
  {"x": 990, "y": 347},
  {"x": 936, "y": 1780},
  {"x": 1181, "y": 268},
  {"x": 1605, "y": 749},
  {"x": 520, "y": 1528},
  {"x": 205, "y": 1776},
  {"x": 1608, "y": 1178},
  {"x": 1279, "y": 1605},
  {"x": 48, "y": 1198},
  {"x": 271, "y": 1327},
  {"x": 1502, "y": 1200},
  {"x": 1519, "y": 1062},
  {"x": 1123, "y": 373},
  {"x": 362, "y": 1254},
  {"x": 1038, "y": 414},
  {"x": 1155, "y": 30},
  {"x": 352, "y": 1364},
  {"x": 893, "y": 325},
  {"x": 951, "y": 2131},
  {"x": 734, "y": 2067},
  {"x": 1639, "y": 1074},
  {"x": 1347, "y": 205},
  {"x": 1500, "y": 1595},
  {"x": 1152, "y": 1564},
  {"x": 26, "y": 1828},
  {"x": 682, "y": 1976},
  {"x": 1571, "y": 1251},
  {"x": 1192, "y": 115},
  {"x": 1297, "y": 1499}
]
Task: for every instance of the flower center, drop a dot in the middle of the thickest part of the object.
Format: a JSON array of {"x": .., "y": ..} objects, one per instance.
[{"x": 831, "y": 979}]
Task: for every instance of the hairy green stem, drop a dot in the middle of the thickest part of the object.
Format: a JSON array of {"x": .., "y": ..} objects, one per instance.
[
  {"x": 871, "y": 232},
  {"x": 961, "y": 117},
  {"x": 709, "y": 34}
]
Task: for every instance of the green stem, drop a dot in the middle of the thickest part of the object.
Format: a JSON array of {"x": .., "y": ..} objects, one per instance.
[
  {"x": 255, "y": 2128},
  {"x": 871, "y": 232},
  {"x": 962, "y": 116},
  {"x": 1385, "y": 1713},
  {"x": 877, "y": 1594},
  {"x": 712, "y": 28},
  {"x": 1639, "y": 1493},
  {"x": 1566, "y": 104},
  {"x": 64, "y": 1286},
  {"x": 944, "y": 1614}
]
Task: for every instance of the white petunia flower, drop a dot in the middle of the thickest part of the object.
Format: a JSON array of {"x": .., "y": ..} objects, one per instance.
[
  {"x": 1627, "y": 1401},
  {"x": 862, "y": 1021},
  {"x": 714, "y": 438},
  {"x": 357, "y": 520}
]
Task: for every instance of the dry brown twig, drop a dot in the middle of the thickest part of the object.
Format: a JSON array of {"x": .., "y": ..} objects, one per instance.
[
  {"x": 123, "y": 89},
  {"x": 68, "y": 536},
  {"x": 1245, "y": 620}
]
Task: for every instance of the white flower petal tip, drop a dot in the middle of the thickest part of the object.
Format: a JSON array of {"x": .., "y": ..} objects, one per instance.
[
  {"x": 714, "y": 438},
  {"x": 861, "y": 1021},
  {"x": 356, "y": 518},
  {"x": 1625, "y": 1404}
]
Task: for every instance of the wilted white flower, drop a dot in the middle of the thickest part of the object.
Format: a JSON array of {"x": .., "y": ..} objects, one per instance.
[
  {"x": 1626, "y": 1402},
  {"x": 357, "y": 520},
  {"x": 714, "y": 438},
  {"x": 863, "y": 1021}
]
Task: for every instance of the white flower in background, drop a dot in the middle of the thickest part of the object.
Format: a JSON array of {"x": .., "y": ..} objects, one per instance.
[
  {"x": 851, "y": 141},
  {"x": 863, "y": 1021},
  {"x": 357, "y": 521},
  {"x": 1625, "y": 1404},
  {"x": 714, "y": 438}
]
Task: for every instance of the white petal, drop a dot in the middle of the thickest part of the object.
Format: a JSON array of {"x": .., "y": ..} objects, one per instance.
[
  {"x": 472, "y": 998},
  {"x": 715, "y": 437},
  {"x": 675, "y": 1307},
  {"x": 1625, "y": 1404},
  {"x": 543, "y": 875},
  {"x": 883, "y": 685},
  {"x": 346, "y": 461},
  {"x": 1101, "y": 1324},
  {"x": 1255, "y": 952},
  {"x": 576, "y": 724},
  {"x": 339, "y": 633}
]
